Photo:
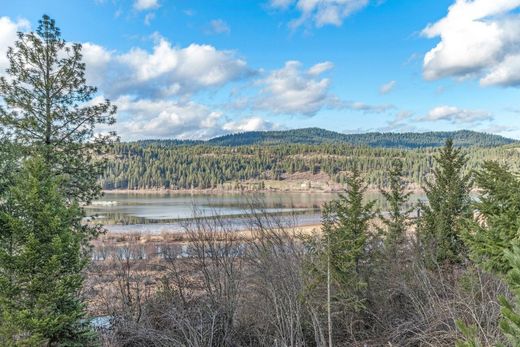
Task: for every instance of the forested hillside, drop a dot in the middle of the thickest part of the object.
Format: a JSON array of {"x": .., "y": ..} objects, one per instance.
[
  {"x": 138, "y": 166},
  {"x": 315, "y": 136}
]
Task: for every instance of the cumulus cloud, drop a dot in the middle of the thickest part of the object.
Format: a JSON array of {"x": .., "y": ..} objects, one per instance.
[
  {"x": 320, "y": 12},
  {"x": 218, "y": 26},
  {"x": 8, "y": 30},
  {"x": 248, "y": 124},
  {"x": 142, "y": 5},
  {"x": 145, "y": 118},
  {"x": 166, "y": 71},
  {"x": 456, "y": 115},
  {"x": 387, "y": 87},
  {"x": 291, "y": 90},
  {"x": 479, "y": 38}
]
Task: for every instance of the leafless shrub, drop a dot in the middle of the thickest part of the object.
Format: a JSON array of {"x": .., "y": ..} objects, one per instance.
[{"x": 216, "y": 287}]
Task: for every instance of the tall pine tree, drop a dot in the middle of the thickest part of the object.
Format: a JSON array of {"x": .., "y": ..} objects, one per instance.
[
  {"x": 48, "y": 107},
  {"x": 345, "y": 243},
  {"x": 49, "y": 115},
  {"x": 449, "y": 201}
]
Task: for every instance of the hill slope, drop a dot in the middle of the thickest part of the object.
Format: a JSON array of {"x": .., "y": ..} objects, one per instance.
[{"x": 463, "y": 138}]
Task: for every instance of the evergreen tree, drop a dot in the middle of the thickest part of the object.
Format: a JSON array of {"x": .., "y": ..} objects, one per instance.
[
  {"x": 345, "y": 224},
  {"x": 510, "y": 323},
  {"x": 492, "y": 236},
  {"x": 48, "y": 114},
  {"x": 498, "y": 217},
  {"x": 43, "y": 251},
  {"x": 8, "y": 164},
  {"x": 48, "y": 107},
  {"x": 346, "y": 235},
  {"x": 396, "y": 224},
  {"x": 448, "y": 204}
]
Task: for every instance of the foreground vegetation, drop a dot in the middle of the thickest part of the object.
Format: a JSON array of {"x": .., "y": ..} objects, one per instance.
[
  {"x": 450, "y": 276},
  {"x": 366, "y": 279},
  {"x": 49, "y": 169}
]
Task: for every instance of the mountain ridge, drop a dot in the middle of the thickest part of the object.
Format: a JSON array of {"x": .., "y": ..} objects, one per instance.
[{"x": 317, "y": 136}]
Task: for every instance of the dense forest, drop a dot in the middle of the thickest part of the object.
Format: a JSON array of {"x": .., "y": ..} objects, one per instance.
[
  {"x": 316, "y": 136},
  {"x": 203, "y": 166}
]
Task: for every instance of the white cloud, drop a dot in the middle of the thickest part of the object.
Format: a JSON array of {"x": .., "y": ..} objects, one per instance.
[
  {"x": 506, "y": 73},
  {"x": 387, "y": 87},
  {"x": 456, "y": 115},
  {"x": 290, "y": 90},
  {"x": 145, "y": 118},
  {"x": 142, "y": 5},
  {"x": 320, "y": 68},
  {"x": 321, "y": 12},
  {"x": 293, "y": 90},
  {"x": 248, "y": 124},
  {"x": 8, "y": 35},
  {"x": 366, "y": 108},
  {"x": 167, "y": 70},
  {"x": 218, "y": 26},
  {"x": 479, "y": 38}
]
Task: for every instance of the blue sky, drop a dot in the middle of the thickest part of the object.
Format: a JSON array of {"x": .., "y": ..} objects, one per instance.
[{"x": 198, "y": 69}]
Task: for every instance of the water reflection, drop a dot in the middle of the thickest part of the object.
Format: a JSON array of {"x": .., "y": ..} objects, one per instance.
[{"x": 157, "y": 213}]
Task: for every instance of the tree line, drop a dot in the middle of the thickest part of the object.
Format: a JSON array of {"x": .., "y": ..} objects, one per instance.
[
  {"x": 149, "y": 166},
  {"x": 316, "y": 136}
]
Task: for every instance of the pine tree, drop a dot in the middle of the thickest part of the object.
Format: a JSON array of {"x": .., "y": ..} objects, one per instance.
[
  {"x": 492, "y": 237},
  {"x": 345, "y": 225},
  {"x": 8, "y": 164},
  {"x": 49, "y": 110},
  {"x": 510, "y": 323},
  {"x": 396, "y": 224},
  {"x": 498, "y": 217},
  {"x": 346, "y": 235},
  {"x": 448, "y": 204},
  {"x": 43, "y": 251},
  {"x": 49, "y": 116}
]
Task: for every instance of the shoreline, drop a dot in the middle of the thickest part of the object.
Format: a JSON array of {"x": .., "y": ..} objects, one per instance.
[
  {"x": 123, "y": 238},
  {"x": 218, "y": 191}
]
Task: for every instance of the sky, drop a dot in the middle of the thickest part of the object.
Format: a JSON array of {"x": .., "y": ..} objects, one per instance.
[{"x": 196, "y": 69}]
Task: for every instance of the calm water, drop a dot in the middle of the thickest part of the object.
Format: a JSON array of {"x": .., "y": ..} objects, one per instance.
[{"x": 156, "y": 213}]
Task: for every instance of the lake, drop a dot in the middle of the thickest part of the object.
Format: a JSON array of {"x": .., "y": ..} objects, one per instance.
[{"x": 156, "y": 213}]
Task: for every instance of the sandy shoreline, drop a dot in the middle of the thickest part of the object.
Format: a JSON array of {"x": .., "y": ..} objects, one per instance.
[{"x": 138, "y": 237}]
